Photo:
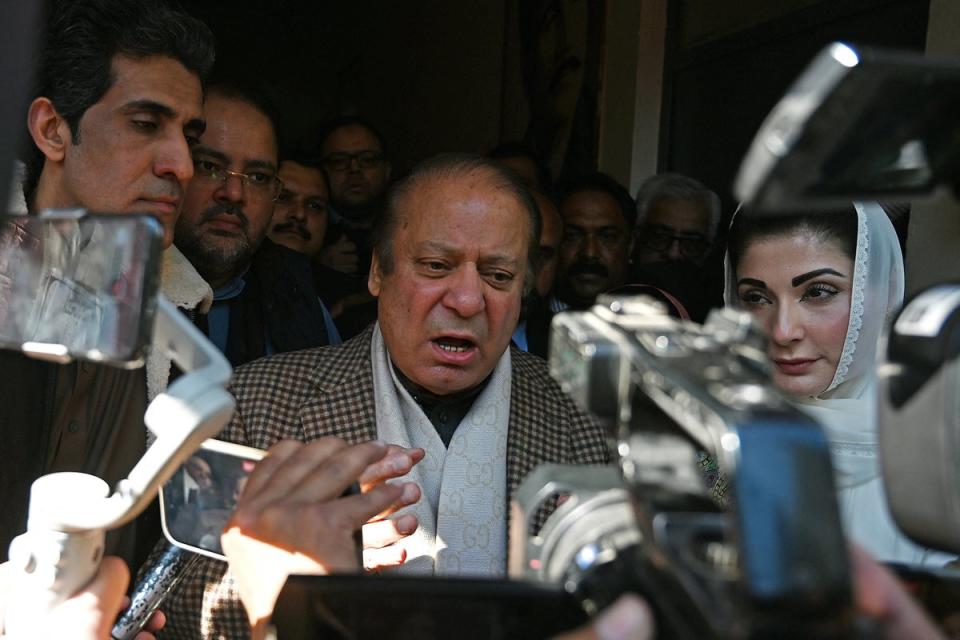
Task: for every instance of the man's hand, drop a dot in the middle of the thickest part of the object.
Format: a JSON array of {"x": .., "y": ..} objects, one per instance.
[
  {"x": 381, "y": 534},
  {"x": 629, "y": 618},
  {"x": 879, "y": 595},
  {"x": 90, "y": 614},
  {"x": 341, "y": 255},
  {"x": 292, "y": 519}
]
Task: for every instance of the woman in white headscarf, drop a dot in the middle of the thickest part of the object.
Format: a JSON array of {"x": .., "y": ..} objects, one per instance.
[{"x": 824, "y": 287}]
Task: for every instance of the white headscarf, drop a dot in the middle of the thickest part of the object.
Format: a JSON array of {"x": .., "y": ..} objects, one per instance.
[{"x": 847, "y": 408}]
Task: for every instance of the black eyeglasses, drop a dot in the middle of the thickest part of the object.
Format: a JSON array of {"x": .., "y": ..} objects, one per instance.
[
  {"x": 661, "y": 239},
  {"x": 341, "y": 161}
]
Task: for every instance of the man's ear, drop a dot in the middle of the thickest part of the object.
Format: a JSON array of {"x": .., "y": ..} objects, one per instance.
[
  {"x": 50, "y": 132},
  {"x": 375, "y": 279}
]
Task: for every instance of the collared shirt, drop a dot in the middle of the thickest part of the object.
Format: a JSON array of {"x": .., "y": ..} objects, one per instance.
[
  {"x": 557, "y": 305},
  {"x": 520, "y": 336},
  {"x": 444, "y": 412}
]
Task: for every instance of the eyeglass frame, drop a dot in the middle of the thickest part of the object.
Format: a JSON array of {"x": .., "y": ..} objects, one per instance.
[
  {"x": 351, "y": 157},
  {"x": 644, "y": 236},
  {"x": 243, "y": 177}
]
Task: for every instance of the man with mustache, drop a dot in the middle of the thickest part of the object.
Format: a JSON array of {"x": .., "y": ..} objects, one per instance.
[
  {"x": 453, "y": 255},
  {"x": 594, "y": 253},
  {"x": 302, "y": 207},
  {"x": 264, "y": 300}
]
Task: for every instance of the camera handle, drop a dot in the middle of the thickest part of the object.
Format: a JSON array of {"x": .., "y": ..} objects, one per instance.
[{"x": 70, "y": 512}]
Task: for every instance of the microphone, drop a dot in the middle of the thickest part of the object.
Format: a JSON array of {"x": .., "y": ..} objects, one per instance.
[{"x": 162, "y": 577}]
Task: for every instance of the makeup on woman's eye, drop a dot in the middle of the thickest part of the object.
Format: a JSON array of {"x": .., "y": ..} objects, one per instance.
[
  {"x": 810, "y": 275},
  {"x": 820, "y": 291}
]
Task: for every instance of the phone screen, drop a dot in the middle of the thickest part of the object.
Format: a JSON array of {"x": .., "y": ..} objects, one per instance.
[{"x": 199, "y": 498}]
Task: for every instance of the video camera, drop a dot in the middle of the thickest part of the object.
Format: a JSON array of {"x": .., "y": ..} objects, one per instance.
[
  {"x": 668, "y": 391},
  {"x": 773, "y": 561}
]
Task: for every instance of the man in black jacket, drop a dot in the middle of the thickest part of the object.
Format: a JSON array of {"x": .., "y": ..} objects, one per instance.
[
  {"x": 265, "y": 301},
  {"x": 117, "y": 104}
]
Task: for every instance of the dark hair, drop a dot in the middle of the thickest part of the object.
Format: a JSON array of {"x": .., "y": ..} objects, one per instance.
[
  {"x": 81, "y": 39},
  {"x": 304, "y": 158},
  {"x": 349, "y": 121},
  {"x": 449, "y": 166},
  {"x": 838, "y": 226},
  {"x": 252, "y": 95},
  {"x": 517, "y": 149},
  {"x": 604, "y": 183}
]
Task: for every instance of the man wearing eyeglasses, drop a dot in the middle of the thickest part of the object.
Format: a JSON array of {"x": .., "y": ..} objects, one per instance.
[
  {"x": 594, "y": 253},
  {"x": 677, "y": 220},
  {"x": 354, "y": 158},
  {"x": 264, "y": 297}
]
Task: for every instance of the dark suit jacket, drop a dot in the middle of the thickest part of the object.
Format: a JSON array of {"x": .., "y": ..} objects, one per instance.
[{"x": 329, "y": 391}]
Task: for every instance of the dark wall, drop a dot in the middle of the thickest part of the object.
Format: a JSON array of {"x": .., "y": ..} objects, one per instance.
[
  {"x": 428, "y": 73},
  {"x": 718, "y": 94}
]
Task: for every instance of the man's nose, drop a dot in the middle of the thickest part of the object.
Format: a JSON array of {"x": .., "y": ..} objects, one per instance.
[
  {"x": 232, "y": 189},
  {"x": 297, "y": 211},
  {"x": 353, "y": 164},
  {"x": 589, "y": 246},
  {"x": 465, "y": 292},
  {"x": 673, "y": 250},
  {"x": 174, "y": 161},
  {"x": 787, "y": 325}
]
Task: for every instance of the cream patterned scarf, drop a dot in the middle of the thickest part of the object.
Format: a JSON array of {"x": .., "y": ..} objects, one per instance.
[{"x": 462, "y": 512}]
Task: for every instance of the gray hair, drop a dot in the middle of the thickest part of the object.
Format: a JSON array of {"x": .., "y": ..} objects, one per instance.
[
  {"x": 449, "y": 166},
  {"x": 676, "y": 186}
]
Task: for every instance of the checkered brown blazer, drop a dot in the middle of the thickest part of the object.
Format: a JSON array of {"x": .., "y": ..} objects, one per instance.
[{"x": 329, "y": 391}]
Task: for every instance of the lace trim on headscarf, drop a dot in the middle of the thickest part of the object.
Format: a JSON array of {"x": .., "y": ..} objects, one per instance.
[{"x": 856, "y": 304}]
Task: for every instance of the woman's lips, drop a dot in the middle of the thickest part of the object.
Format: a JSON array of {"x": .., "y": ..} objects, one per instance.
[{"x": 795, "y": 367}]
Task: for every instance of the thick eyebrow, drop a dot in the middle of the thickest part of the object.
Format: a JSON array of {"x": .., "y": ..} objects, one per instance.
[
  {"x": 260, "y": 164},
  {"x": 202, "y": 150},
  {"x": 753, "y": 282},
  {"x": 810, "y": 275},
  {"x": 194, "y": 126}
]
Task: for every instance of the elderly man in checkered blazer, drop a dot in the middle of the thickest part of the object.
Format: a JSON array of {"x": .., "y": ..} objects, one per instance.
[{"x": 453, "y": 256}]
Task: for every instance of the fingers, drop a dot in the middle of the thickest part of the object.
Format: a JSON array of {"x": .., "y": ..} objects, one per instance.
[
  {"x": 411, "y": 494},
  {"x": 354, "y": 511},
  {"x": 295, "y": 459},
  {"x": 386, "y": 532},
  {"x": 879, "y": 595},
  {"x": 629, "y": 618},
  {"x": 376, "y": 559},
  {"x": 110, "y": 584},
  {"x": 397, "y": 462},
  {"x": 157, "y": 622},
  {"x": 328, "y": 480}
]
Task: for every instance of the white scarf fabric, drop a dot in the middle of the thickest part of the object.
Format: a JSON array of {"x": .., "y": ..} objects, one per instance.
[
  {"x": 847, "y": 409},
  {"x": 462, "y": 511}
]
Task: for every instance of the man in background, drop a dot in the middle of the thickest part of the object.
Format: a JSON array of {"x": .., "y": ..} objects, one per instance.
[
  {"x": 264, "y": 300},
  {"x": 676, "y": 224},
  {"x": 597, "y": 214},
  {"x": 354, "y": 157},
  {"x": 116, "y": 107}
]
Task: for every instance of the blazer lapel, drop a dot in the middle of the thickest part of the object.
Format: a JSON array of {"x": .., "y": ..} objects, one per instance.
[{"x": 343, "y": 403}]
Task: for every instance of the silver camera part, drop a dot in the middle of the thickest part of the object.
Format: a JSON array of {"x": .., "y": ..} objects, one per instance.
[
  {"x": 665, "y": 389},
  {"x": 919, "y": 427}
]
